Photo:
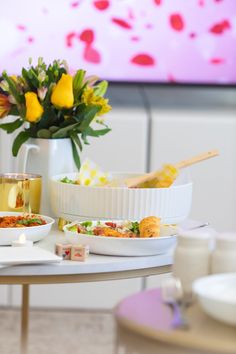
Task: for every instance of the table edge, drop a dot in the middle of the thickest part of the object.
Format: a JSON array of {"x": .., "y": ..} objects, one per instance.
[{"x": 86, "y": 277}]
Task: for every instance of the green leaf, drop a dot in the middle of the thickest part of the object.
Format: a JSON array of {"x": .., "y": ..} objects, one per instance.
[
  {"x": 53, "y": 128},
  {"x": 11, "y": 127},
  {"x": 101, "y": 88},
  {"x": 68, "y": 121},
  {"x": 66, "y": 180},
  {"x": 79, "y": 112},
  {"x": 64, "y": 132},
  {"x": 72, "y": 228},
  {"x": 13, "y": 89},
  {"x": 27, "y": 78},
  {"x": 75, "y": 137},
  {"x": 79, "y": 94},
  {"x": 84, "y": 138},
  {"x": 75, "y": 155},
  {"x": 14, "y": 111},
  {"x": 135, "y": 227},
  {"x": 34, "y": 78},
  {"x": 96, "y": 133},
  {"x": 86, "y": 223},
  {"x": 48, "y": 119},
  {"x": 88, "y": 115},
  {"x": 30, "y": 221},
  {"x": 21, "y": 138},
  {"x": 85, "y": 117},
  {"x": 44, "y": 134},
  {"x": 78, "y": 81},
  {"x": 48, "y": 95}
]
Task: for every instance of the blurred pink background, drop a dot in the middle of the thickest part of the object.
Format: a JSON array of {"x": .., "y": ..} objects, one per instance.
[{"x": 124, "y": 40}]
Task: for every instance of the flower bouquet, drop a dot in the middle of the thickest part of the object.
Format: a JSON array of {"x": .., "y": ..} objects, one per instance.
[{"x": 50, "y": 103}]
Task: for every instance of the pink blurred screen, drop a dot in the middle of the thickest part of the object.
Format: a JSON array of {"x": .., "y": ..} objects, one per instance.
[{"x": 176, "y": 41}]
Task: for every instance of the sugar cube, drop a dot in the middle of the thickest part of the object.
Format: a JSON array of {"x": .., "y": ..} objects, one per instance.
[
  {"x": 63, "y": 250},
  {"x": 79, "y": 252}
]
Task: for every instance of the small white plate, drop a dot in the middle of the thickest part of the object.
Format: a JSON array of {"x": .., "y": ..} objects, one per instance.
[
  {"x": 33, "y": 233},
  {"x": 217, "y": 296},
  {"x": 26, "y": 255},
  {"x": 118, "y": 246}
]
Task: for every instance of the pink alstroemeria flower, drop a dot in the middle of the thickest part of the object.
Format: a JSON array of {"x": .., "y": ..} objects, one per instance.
[
  {"x": 5, "y": 106},
  {"x": 91, "y": 80}
]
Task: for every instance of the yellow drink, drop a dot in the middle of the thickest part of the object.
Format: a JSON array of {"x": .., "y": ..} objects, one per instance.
[{"x": 20, "y": 192}]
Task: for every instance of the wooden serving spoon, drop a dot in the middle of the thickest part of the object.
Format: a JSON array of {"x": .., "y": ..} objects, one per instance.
[{"x": 136, "y": 181}]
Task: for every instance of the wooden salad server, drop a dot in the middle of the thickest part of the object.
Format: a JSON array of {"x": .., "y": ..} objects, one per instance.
[{"x": 167, "y": 175}]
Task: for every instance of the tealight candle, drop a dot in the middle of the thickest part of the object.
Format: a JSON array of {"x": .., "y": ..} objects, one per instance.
[{"x": 22, "y": 242}]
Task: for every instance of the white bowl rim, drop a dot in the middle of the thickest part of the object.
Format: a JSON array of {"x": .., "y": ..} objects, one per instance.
[
  {"x": 201, "y": 291},
  {"x": 48, "y": 219},
  {"x": 141, "y": 239},
  {"x": 55, "y": 179}
]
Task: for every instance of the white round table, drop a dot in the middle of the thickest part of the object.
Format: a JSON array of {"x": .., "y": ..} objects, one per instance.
[{"x": 96, "y": 268}]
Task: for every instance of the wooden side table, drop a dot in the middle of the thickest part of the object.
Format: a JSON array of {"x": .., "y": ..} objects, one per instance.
[{"x": 144, "y": 323}]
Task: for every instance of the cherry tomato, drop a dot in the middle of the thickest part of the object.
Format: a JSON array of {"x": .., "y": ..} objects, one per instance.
[{"x": 111, "y": 224}]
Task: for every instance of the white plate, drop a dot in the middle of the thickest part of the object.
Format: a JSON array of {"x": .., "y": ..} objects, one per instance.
[
  {"x": 114, "y": 246},
  {"x": 217, "y": 296},
  {"x": 33, "y": 233},
  {"x": 26, "y": 255}
]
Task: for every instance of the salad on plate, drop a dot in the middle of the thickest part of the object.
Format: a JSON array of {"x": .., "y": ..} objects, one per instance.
[{"x": 149, "y": 227}]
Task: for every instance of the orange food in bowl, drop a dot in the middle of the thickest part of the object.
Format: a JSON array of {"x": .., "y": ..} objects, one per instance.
[{"x": 21, "y": 221}]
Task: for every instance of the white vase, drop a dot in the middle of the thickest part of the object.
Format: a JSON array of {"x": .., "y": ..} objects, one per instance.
[{"x": 47, "y": 157}]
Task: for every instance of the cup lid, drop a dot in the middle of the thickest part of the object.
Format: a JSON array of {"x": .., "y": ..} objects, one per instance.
[{"x": 195, "y": 237}]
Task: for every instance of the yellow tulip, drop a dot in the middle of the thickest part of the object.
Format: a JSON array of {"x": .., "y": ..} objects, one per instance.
[
  {"x": 62, "y": 95},
  {"x": 34, "y": 110}
]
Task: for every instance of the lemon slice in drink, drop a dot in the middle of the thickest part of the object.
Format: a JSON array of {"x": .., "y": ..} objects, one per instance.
[{"x": 16, "y": 198}]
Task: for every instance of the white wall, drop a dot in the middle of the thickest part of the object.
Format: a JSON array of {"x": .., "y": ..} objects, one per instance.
[
  {"x": 124, "y": 149},
  {"x": 185, "y": 122}
]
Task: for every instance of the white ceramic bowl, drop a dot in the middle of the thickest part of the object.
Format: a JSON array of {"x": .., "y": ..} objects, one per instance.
[
  {"x": 71, "y": 201},
  {"x": 217, "y": 296},
  {"x": 114, "y": 246},
  {"x": 33, "y": 233}
]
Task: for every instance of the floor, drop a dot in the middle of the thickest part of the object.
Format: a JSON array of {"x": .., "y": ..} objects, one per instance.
[
  {"x": 59, "y": 332},
  {"x": 77, "y": 332}
]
